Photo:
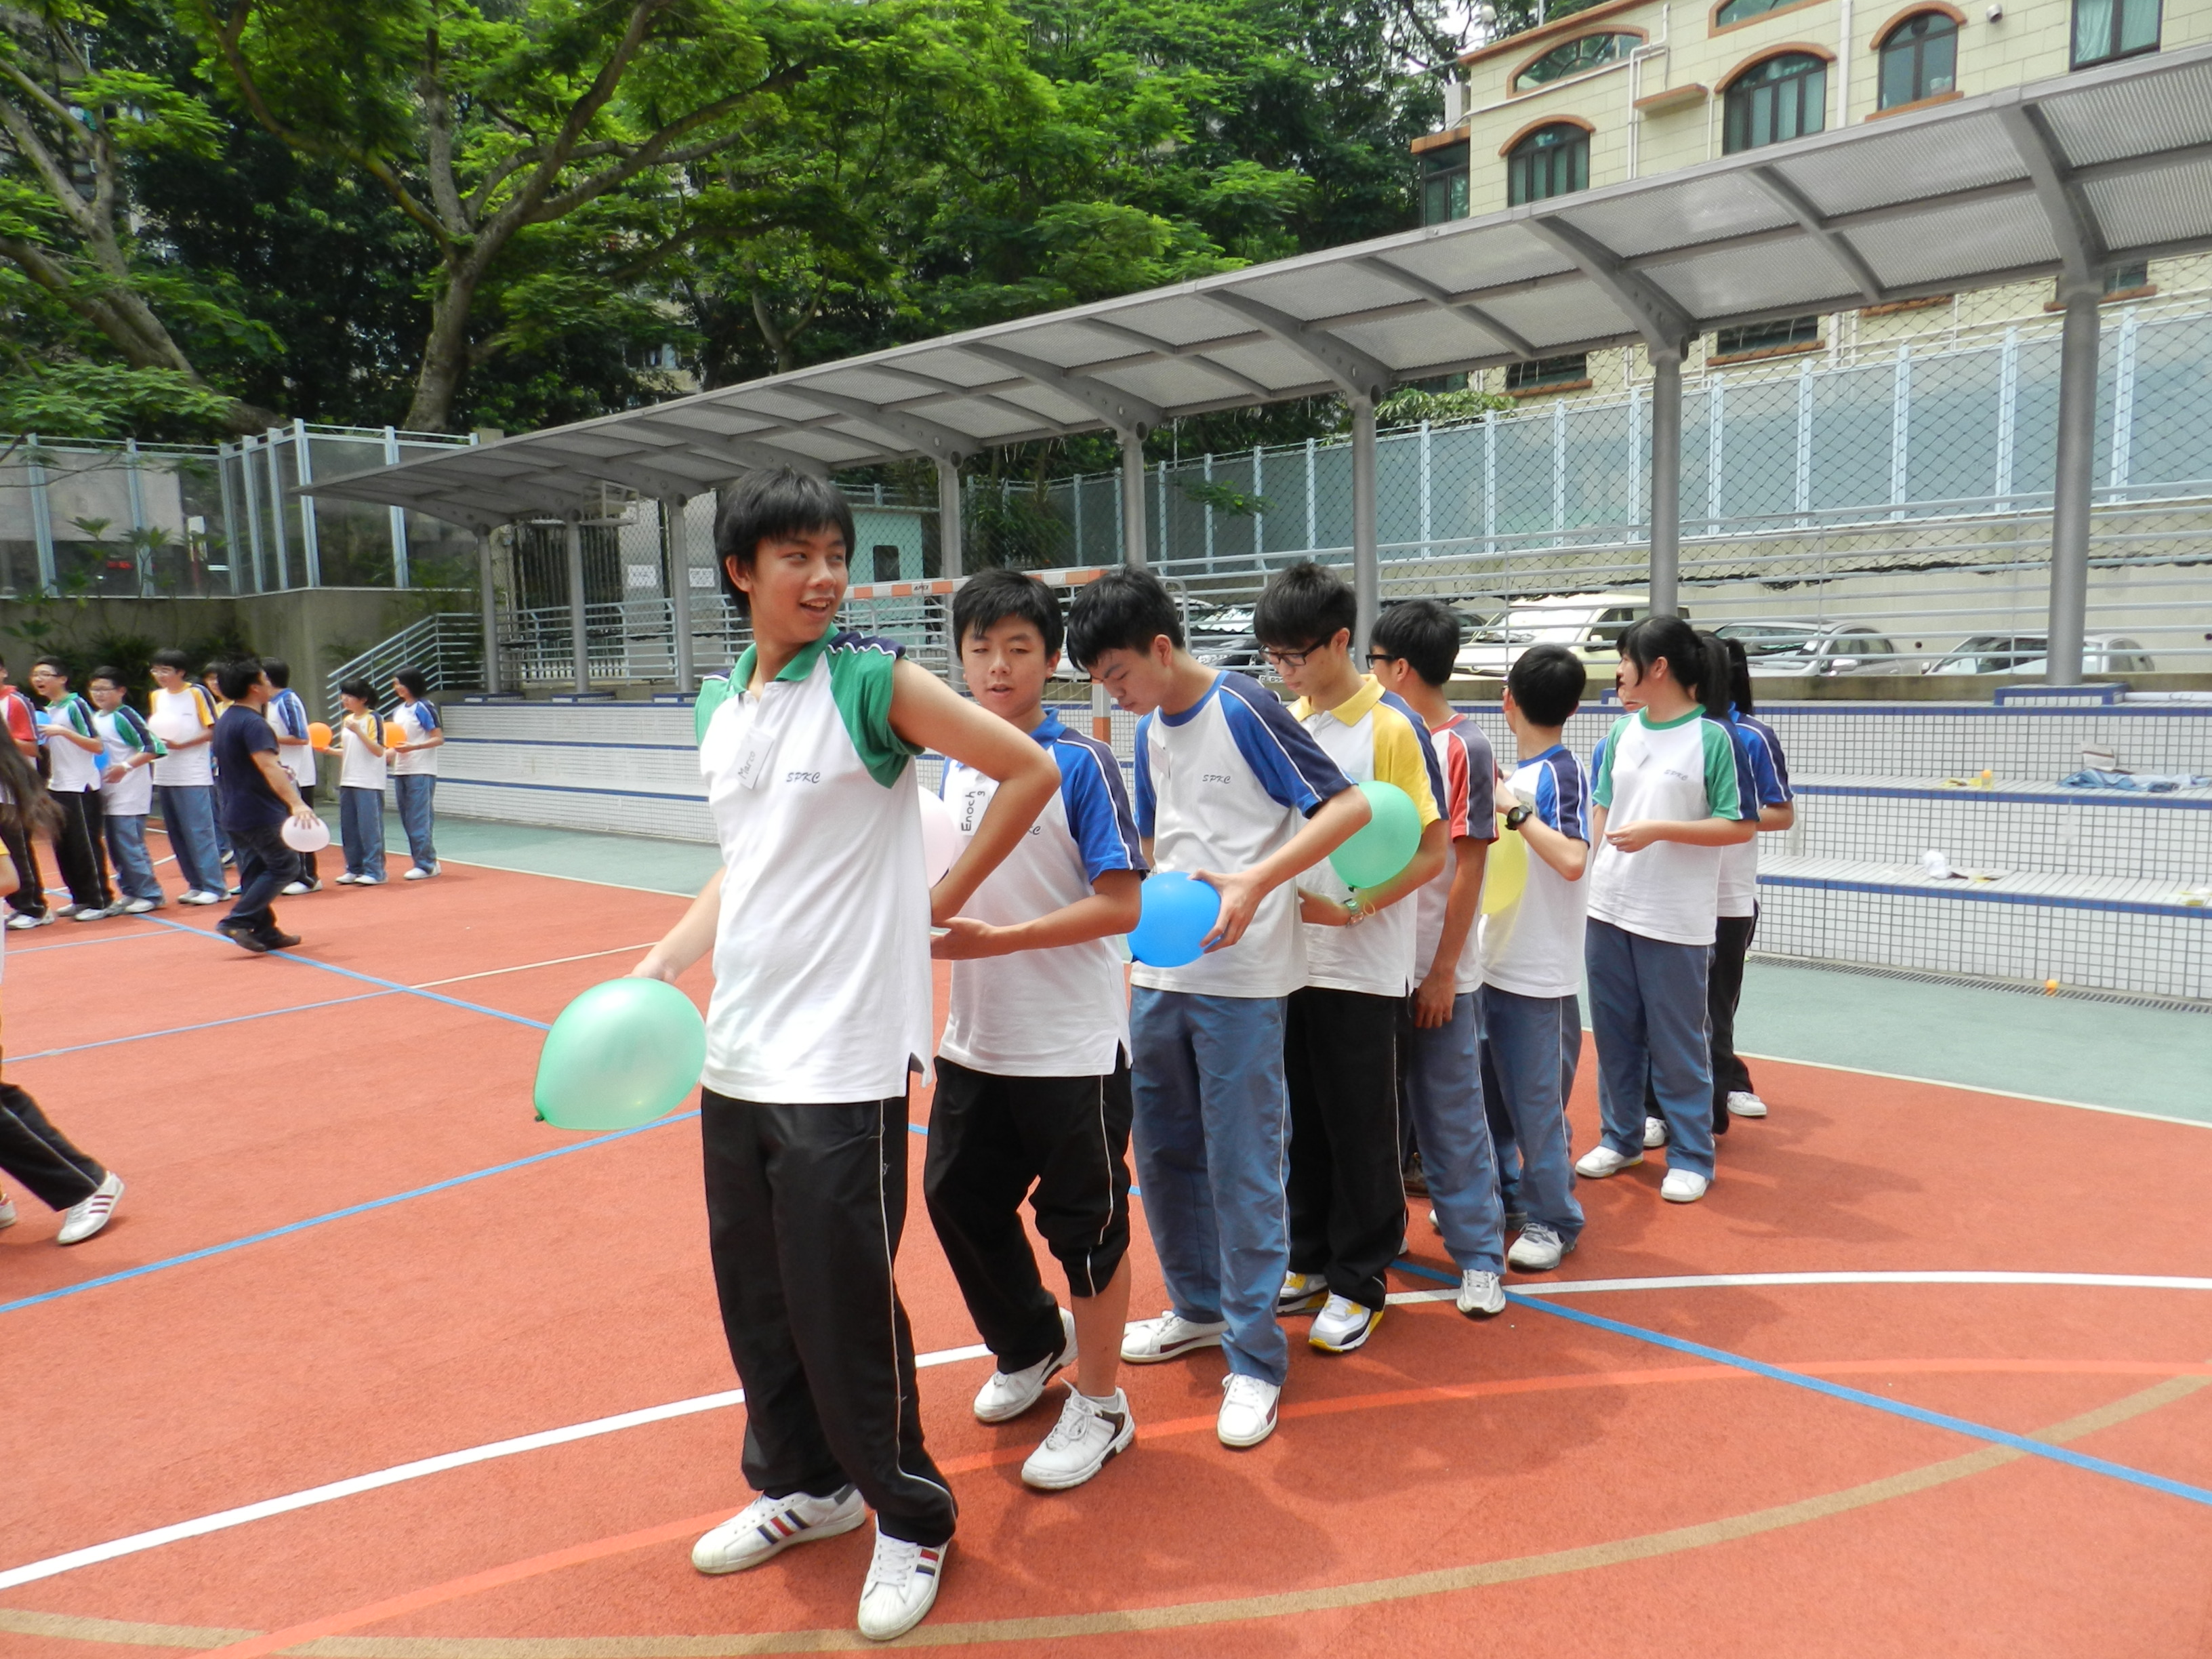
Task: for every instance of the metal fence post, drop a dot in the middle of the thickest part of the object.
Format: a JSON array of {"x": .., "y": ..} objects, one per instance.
[
  {"x": 311, "y": 545},
  {"x": 2124, "y": 402},
  {"x": 1259, "y": 515},
  {"x": 579, "y": 645},
  {"x": 948, "y": 518},
  {"x": 42, "y": 515},
  {"x": 1666, "y": 566},
  {"x": 2008, "y": 416},
  {"x": 1428, "y": 519},
  {"x": 2069, "y": 506},
  {"x": 1901, "y": 430},
  {"x": 283, "y": 543},
  {"x": 1135, "y": 543},
  {"x": 248, "y": 449},
  {"x": 1313, "y": 503},
  {"x": 673, "y": 532},
  {"x": 1206, "y": 472},
  {"x": 1366, "y": 566},
  {"x": 486, "y": 575},
  {"x": 144, "y": 554},
  {"x": 1803, "y": 495},
  {"x": 401, "y": 575}
]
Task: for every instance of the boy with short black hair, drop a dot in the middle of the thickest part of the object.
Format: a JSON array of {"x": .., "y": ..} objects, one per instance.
[
  {"x": 1032, "y": 1072},
  {"x": 183, "y": 715},
  {"x": 73, "y": 756},
  {"x": 1340, "y": 1048},
  {"x": 1233, "y": 791},
  {"x": 1532, "y": 960},
  {"x": 287, "y": 719},
  {"x": 1413, "y": 652},
  {"x": 818, "y": 924},
  {"x": 257, "y": 796},
  {"x": 126, "y": 791}
]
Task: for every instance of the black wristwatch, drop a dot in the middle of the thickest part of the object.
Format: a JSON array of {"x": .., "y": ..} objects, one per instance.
[{"x": 1515, "y": 818}]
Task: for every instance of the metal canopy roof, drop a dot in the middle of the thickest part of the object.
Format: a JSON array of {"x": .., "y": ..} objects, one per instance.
[{"x": 2073, "y": 174}]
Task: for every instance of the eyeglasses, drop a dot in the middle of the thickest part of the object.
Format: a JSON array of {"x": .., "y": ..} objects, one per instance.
[
  {"x": 1376, "y": 659},
  {"x": 1287, "y": 659}
]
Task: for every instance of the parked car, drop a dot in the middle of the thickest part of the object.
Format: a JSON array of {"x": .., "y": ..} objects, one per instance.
[
  {"x": 2026, "y": 653},
  {"x": 1220, "y": 637},
  {"x": 1588, "y": 625},
  {"x": 1813, "y": 647}
]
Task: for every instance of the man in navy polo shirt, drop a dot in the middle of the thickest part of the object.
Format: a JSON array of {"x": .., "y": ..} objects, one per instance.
[{"x": 256, "y": 795}]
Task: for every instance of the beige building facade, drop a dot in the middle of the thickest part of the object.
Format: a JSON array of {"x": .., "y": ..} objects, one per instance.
[{"x": 1633, "y": 87}]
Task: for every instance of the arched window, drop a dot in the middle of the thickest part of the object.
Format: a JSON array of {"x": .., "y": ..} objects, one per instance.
[
  {"x": 2106, "y": 29},
  {"x": 1775, "y": 100},
  {"x": 1552, "y": 160},
  {"x": 1736, "y": 10},
  {"x": 1919, "y": 59},
  {"x": 1587, "y": 52}
]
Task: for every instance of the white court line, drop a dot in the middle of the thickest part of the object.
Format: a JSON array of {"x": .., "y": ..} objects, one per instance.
[
  {"x": 524, "y": 967},
  {"x": 1981, "y": 1089},
  {"x": 224, "y": 1520}
]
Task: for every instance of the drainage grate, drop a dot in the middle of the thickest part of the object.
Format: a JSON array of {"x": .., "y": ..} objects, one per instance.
[{"x": 2022, "y": 987}]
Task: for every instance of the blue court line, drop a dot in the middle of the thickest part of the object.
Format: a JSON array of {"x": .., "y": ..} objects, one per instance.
[
  {"x": 446, "y": 1185},
  {"x": 204, "y": 1025},
  {"x": 370, "y": 979},
  {"x": 1855, "y": 1396}
]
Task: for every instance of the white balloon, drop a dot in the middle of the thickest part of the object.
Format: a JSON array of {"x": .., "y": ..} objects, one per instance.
[
  {"x": 940, "y": 837},
  {"x": 301, "y": 838}
]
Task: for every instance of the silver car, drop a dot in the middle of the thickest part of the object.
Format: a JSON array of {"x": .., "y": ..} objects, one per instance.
[
  {"x": 1814, "y": 647},
  {"x": 2028, "y": 653}
]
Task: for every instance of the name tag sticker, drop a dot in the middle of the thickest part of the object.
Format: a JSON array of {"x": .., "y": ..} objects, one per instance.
[{"x": 754, "y": 754}]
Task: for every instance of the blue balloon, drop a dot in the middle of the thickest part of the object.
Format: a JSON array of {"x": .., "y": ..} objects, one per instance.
[{"x": 1179, "y": 911}]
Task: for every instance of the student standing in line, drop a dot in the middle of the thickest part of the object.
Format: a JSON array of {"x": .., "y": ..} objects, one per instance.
[
  {"x": 1411, "y": 654},
  {"x": 1732, "y": 1094},
  {"x": 287, "y": 719},
  {"x": 73, "y": 756},
  {"x": 1346, "y": 1190},
  {"x": 1667, "y": 799},
  {"x": 183, "y": 715},
  {"x": 126, "y": 791},
  {"x": 818, "y": 923},
  {"x": 1231, "y": 791},
  {"x": 257, "y": 796},
  {"x": 1532, "y": 956},
  {"x": 31, "y": 1149},
  {"x": 360, "y": 786},
  {"x": 211, "y": 684},
  {"x": 415, "y": 767},
  {"x": 27, "y": 905},
  {"x": 1033, "y": 1071}
]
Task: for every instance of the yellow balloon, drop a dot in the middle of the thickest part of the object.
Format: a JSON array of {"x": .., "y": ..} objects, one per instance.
[{"x": 1505, "y": 872}]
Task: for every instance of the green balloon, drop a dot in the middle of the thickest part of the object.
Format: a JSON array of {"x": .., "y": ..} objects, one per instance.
[
  {"x": 1388, "y": 841},
  {"x": 620, "y": 1055}
]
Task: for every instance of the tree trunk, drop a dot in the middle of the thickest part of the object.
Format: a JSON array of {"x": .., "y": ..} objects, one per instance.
[{"x": 445, "y": 353}]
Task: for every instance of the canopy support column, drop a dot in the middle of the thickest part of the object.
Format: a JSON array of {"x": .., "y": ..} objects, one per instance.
[
  {"x": 948, "y": 518},
  {"x": 1366, "y": 561},
  {"x": 487, "y": 578},
  {"x": 679, "y": 592},
  {"x": 1666, "y": 566},
  {"x": 1135, "y": 543},
  {"x": 2070, "y": 506},
  {"x": 577, "y": 644}
]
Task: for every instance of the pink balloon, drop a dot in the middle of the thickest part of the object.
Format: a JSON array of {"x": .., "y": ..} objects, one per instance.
[{"x": 940, "y": 837}]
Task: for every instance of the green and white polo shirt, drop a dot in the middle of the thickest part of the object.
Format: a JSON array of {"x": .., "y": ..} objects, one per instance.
[
  {"x": 822, "y": 979},
  {"x": 1682, "y": 769}
]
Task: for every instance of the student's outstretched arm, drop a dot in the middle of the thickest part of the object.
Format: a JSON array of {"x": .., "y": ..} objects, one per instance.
[
  {"x": 690, "y": 938},
  {"x": 929, "y": 714},
  {"x": 1112, "y": 907}
]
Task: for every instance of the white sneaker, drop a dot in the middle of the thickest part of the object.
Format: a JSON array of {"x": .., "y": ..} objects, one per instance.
[
  {"x": 1086, "y": 1439},
  {"x": 1602, "y": 1161},
  {"x": 200, "y": 896},
  {"x": 294, "y": 888},
  {"x": 1683, "y": 1187},
  {"x": 18, "y": 921},
  {"x": 1480, "y": 1294},
  {"x": 368, "y": 881},
  {"x": 423, "y": 872},
  {"x": 1654, "y": 1133},
  {"x": 1148, "y": 1341},
  {"x": 81, "y": 1221},
  {"x": 137, "y": 907},
  {"x": 1301, "y": 1293},
  {"x": 1248, "y": 1409},
  {"x": 901, "y": 1587},
  {"x": 1343, "y": 1325},
  {"x": 1538, "y": 1249},
  {"x": 92, "y": 912},
  {"x": 1743, "y": 1103},
  {"x": 770, "y": 1526},
  {"x": 1006, "y": 1396},
  {"x": 7, "y": 1217},
  {"x": 1435, "y": 1225}
]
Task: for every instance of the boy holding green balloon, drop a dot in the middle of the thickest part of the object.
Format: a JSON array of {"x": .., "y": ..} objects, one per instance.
[
  {"x": 1346, "y": 1188},
  {"x": 818, "y": 924},
  {"x": 1232, "y": 791},
  {"x": 1032, "y": 1072}
]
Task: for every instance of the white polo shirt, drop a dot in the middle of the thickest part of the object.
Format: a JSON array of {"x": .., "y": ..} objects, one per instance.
[
  {"x": 1470, "y": 804},
  {"x": 1682, "y": 769},
  {"x": 418, "y": 719},
  {"x": 1220, "y": 787},
  {"x": 183, "y": 715},
  {"x": 70, "y": 770},
  {"x": 1533, "y": 947},
  {"x": 1374, "y": 737},
  {"x": 1061, "y": 1013},
  {"x": 360, "y": 767},
  {"x": 1761, "y": 750},
  {"x": 822, "y": 976},
  {"x": 125, "y": 741},
  {"x": 288, "y": 718}
]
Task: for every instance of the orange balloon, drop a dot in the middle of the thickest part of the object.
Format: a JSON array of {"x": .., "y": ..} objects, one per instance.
[
  {"x": 318, "y": 734},
  {"x": 394, "y": 732}
]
